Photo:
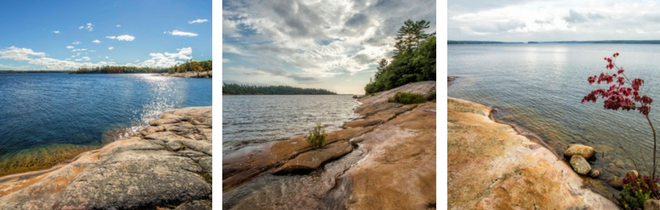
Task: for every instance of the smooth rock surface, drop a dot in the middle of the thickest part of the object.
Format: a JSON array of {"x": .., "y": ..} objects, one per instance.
[
  {"x": 165, "y": 170},
  {"x": 580, "y": 165},
  {"x": 311, "y": 160},
  {"x": 491, "y": 166},
  {"x": 393, "y": 168},
  {"x": 578, "y": 149}
]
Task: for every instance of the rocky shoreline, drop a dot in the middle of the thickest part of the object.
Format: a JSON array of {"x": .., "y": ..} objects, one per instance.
[
  {"x": 166, "y": 166},
  {"x": 514, "y": 171},
  {"x": 203, "y": 74},
  {"x": 386, "y": 160}
]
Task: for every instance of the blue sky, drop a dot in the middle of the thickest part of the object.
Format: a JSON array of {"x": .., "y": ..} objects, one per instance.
[
  {"x": 334, "y": 45},
  {"x": 63, "y": 35}
]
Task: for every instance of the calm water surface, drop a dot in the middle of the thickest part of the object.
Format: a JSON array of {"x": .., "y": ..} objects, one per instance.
[
  {"x": 253, "y": 119},
  {"x": 539, "y": 87},
  {"x": 44, "y": 109}
]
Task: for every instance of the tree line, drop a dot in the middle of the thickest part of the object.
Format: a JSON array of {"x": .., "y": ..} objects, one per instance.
[
  {"x": 240, "y": 89},
  {"x": 413, "y": 59},
  {"x": 188, "y": 66}
]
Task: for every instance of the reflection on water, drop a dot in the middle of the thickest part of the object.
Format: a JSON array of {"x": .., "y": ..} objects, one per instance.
[{"x": 51, "y": 109}]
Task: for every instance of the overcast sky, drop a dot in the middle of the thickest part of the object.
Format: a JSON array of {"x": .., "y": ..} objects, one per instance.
[
  {"x": 65, "y": 35},
  {"x": 334, "y": 45},
  {"x": 561, "y": 20}
]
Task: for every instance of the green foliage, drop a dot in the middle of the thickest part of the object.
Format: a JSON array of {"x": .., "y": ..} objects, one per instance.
[
  {"x": 194, "y": 66},
  {"x": 407, "y": 98},
  {"x": 413, "y": 60},
  {"x": 636, "y": 191},
  {"x": 236, "y": 89},
  {"x": 317, "y": 137}
]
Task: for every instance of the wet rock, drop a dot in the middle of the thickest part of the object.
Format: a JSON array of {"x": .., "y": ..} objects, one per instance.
[
  {"x": 634, "y": 173},
  {"x": 158, "y": 122},
  {"x": 617, "y": 182},
  {"x": 578, "y": 149},
  {"x": 594, "y": 173},
  {"x": 147, "y": 171},
  {"x": 580, "y": 165},
  {"x": 312, "y": 160}
]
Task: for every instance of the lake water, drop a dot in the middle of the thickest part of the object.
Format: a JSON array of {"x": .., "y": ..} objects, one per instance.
[
  {"x": 44, "y": 109},
  {"x": 255, "y": 119},
  {"x": 539, "y": 87}
]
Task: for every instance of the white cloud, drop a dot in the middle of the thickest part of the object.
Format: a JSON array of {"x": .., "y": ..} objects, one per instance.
[
  {"x": 76, "y": 42},
  {"x": 106, "y": 57},
  {"x": 89, "y": 27},
  {"x": 69, "y": 47},
  {"x": 118, "y": 26},
  {"x": 180, "y": 33},
  {"x": 96, "y": 41},
  {"x": 56, "y": 32},
  {"x": 79, "y": 50},
  {"x": 19, "y": 54},
  {"x": 122, "y": 37},
  {"x": 168, "y": 59},
  {"x": 111, "y": 48},
  {"x": 92, "y": 51},
  {"x": 225, "y": 60},
  {"x": 138, "y": 60},
  {"x": 125, "y": 38},
  {"x": 198, "y": 21},
  {"x": 39, "y": 58}
]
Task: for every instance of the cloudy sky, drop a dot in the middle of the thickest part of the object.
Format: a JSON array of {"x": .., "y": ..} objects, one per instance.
[
  {"x": 333, "y": 45},
  {"x": 63, "y": 35},
  {"x": 560, "y": 20}
]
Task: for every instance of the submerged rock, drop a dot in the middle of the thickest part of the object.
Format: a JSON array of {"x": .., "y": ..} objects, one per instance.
[
  {"x": 617, "y": 182},
  {"x": 578, "y": 149},
  {"x": 594, "y": 173},
  {"x": 580, "y": 165}
]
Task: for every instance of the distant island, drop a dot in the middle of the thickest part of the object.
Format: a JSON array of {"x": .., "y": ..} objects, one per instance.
[
  {"x": 188, "y": 66},
  {"x": 240, "y": 89},
  {"x": 561, "y": 42}
]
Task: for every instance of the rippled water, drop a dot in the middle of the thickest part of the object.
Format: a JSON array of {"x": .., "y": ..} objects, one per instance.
[
  {"x": 249, "y": 119},
  {"x": 43, "y": 109},
  {"x": 539, "y": 87}
]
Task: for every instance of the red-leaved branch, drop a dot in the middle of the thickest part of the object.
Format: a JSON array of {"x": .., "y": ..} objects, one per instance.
[{"x": 622, "y": 94}]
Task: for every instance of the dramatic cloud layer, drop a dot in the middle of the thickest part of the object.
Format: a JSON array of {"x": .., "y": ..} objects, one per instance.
[
  {"x": 332, "y": 44},
  {"x": 527, "y": 20}
]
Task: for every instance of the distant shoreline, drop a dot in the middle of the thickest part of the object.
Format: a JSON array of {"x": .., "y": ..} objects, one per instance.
[{"x": 450, "y": 42}]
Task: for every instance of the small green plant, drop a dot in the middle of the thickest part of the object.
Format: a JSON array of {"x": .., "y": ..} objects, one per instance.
[
  {"x": 636, "y": 191},
  {"x": 317, "y": 137},
  {"x": 407, "y": 98}
]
